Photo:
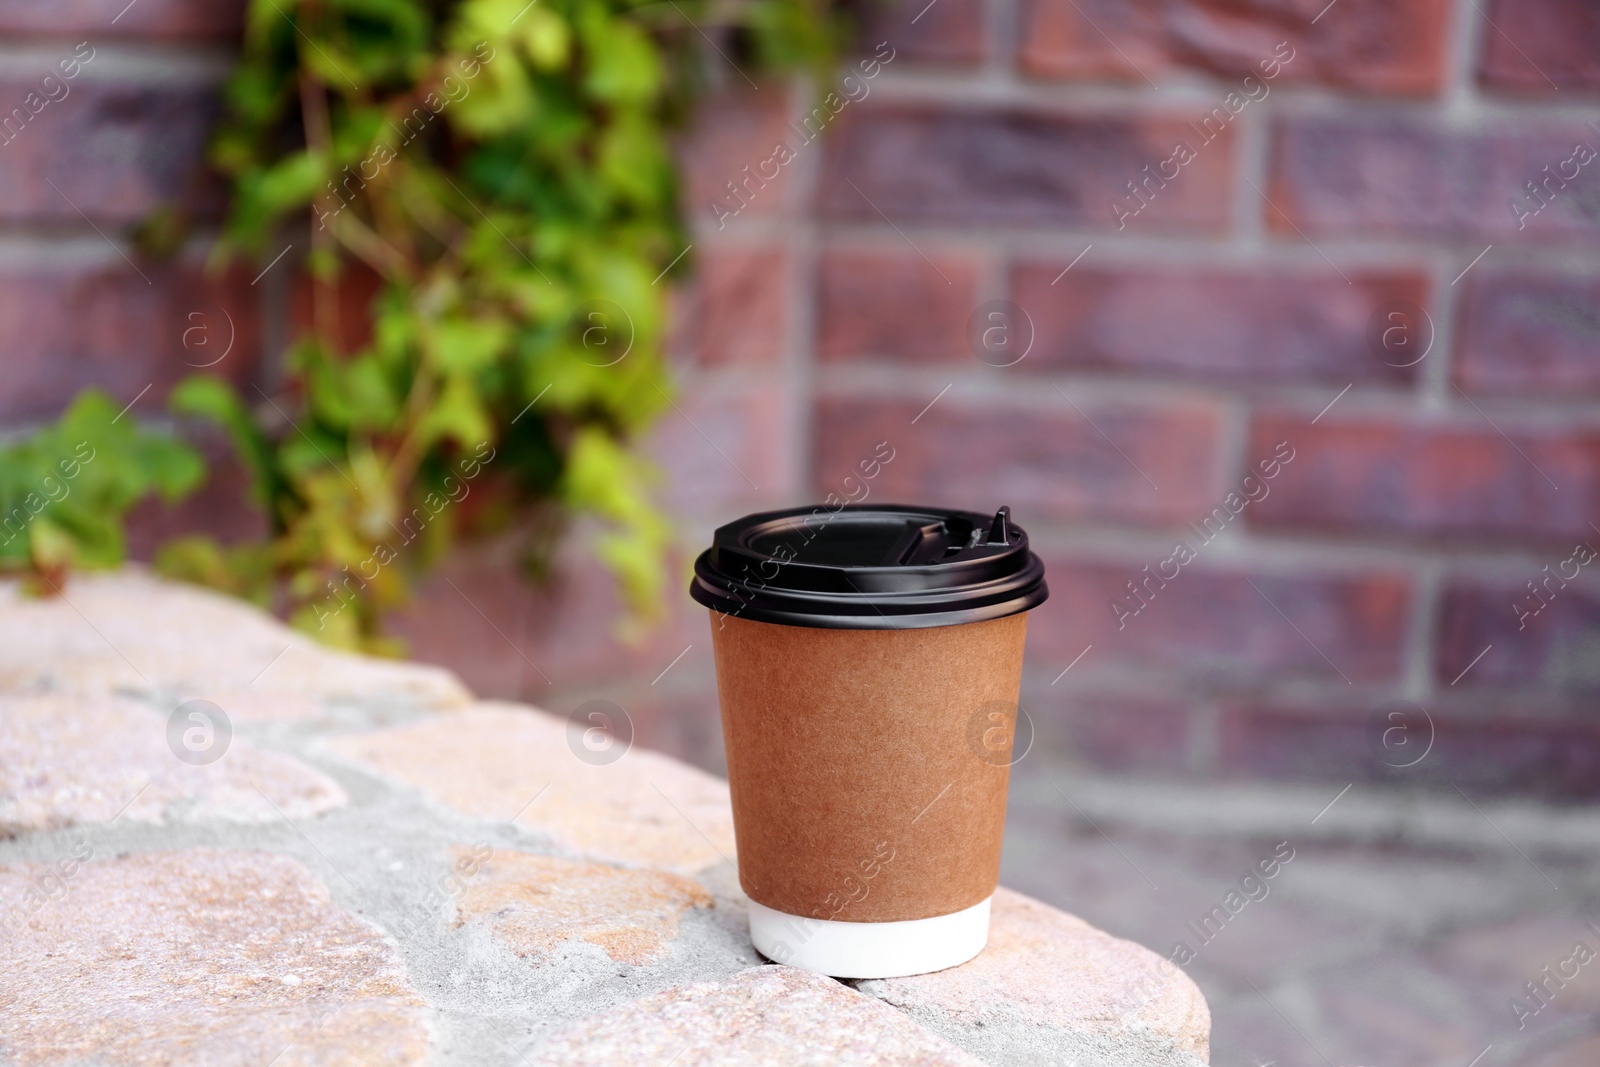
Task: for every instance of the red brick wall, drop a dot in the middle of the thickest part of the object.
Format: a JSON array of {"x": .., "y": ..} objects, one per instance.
[
  {"x": 1182, "y": 314},
  {"x": 1192, "y": 334}
]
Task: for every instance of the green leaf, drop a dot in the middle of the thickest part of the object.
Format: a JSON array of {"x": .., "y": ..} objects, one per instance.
[
  {"x": 622, "y": 61},
  {"x": 513, "y": 164},
  {"x": 463, "y": 346},
  {"x": 290, "y": 183},
  {"x": 208, "y": 397},
  {"x": 458, "y": 415},
  {"x": 173, "y": 468},
  {"x": 502, "y": 100},
  {"x": 546, "y": 37},
  {"x": 53, "y": 548}
]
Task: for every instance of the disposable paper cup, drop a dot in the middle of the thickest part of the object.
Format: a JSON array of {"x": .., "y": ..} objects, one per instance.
[{"x": 868, "y": 661}]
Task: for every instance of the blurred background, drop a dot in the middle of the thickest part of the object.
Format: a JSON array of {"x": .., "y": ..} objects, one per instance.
[{"x": 1276, "y": 324}]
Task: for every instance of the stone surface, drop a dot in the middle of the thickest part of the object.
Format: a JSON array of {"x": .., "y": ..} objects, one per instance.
[
  {"x": 132, "y": 631},
  {"x": 534, "y": 903},
  {"x": 1343, "y": 949},
  {"x": 157, "y": 912},
  {"x": 510, "y": 762},
  {"x": 1533, "y": 948},
  {"x": 67, "y": 760},
  {"x": 1581, "y": 1052},
  {"x": 200, "y": 957},
  {"x": 762, "y": 1015},
  {"x": 1092, "y": 996}
]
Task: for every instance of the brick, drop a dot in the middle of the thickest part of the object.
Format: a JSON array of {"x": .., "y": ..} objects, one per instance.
[
  {"x": 1016, "y": 167},
  {"x": 1109, "y": 732},
  {"x": 1373, "y": 46},
  {"x": 166, "y": 20},
  {"x": 1350, "y": 176},
  {"x": 1460, "y": 480},
  {"x": 199, "y": 956},
  {"x": 742, "y": 305},
  {"x": 1300, "y": 745},
  {"x": 723, "y": 448},
  {"x": 985, "y": 456},
  {"x": 1246, "y": 327},
  {"x": 1543, "y": 639},
  {"x": 1529, "y": 333},
  {"x": 1558, "y": 758},
  {"x": 70, "y": 327},
  {"x": 948, "y": 33},
  {"x": 894, "y": 305},
  {"x": 731, "y": 131},
  {"x": 479, "y": 614},
  {"x": 1541, "y": 46},
  {"x": 338, "y": 311},
  {"x": 116, "y": 151},
  {"x": 1223, "y": 624},
  {"x": 680, "y": 716}
]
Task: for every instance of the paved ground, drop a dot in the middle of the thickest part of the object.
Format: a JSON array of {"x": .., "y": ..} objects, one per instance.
[{"x": 1398, "y": 934}]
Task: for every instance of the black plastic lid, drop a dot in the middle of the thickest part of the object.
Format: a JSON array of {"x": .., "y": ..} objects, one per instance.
[{"x": 870, "y": 567}]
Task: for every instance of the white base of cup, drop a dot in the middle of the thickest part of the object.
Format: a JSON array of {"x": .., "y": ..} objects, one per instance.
[{"x": 870, "y": 950}]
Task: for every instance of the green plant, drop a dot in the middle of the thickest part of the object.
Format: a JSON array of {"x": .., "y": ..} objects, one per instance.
[
  {"x": 501, "y": 169},
  {"x": 65, "y": 491}
]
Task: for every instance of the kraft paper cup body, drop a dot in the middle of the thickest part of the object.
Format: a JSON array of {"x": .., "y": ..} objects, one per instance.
[
  {"x": 868, "y": 661},
  {"x": 868, "y": 771}
]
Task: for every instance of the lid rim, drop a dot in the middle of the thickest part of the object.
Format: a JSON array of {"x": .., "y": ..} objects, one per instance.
[{"x": 983, "y": 578}]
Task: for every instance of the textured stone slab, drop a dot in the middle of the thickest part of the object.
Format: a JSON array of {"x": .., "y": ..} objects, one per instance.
[
  {"x": 67, "y": 759},
  {"x": 206, "y": 956},
  {"x": 131, "y": 631},
  {"x": 199, "y": 957},
  {"x": 1050, "y": 986},
  {"x": 534, "y": 903},
  {"x": 509, "y": 761},
  {"x": 765, "y": 1015}
]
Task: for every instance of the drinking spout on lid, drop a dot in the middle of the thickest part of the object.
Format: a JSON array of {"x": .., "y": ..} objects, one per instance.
[{"x": 998, "y": 532}]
